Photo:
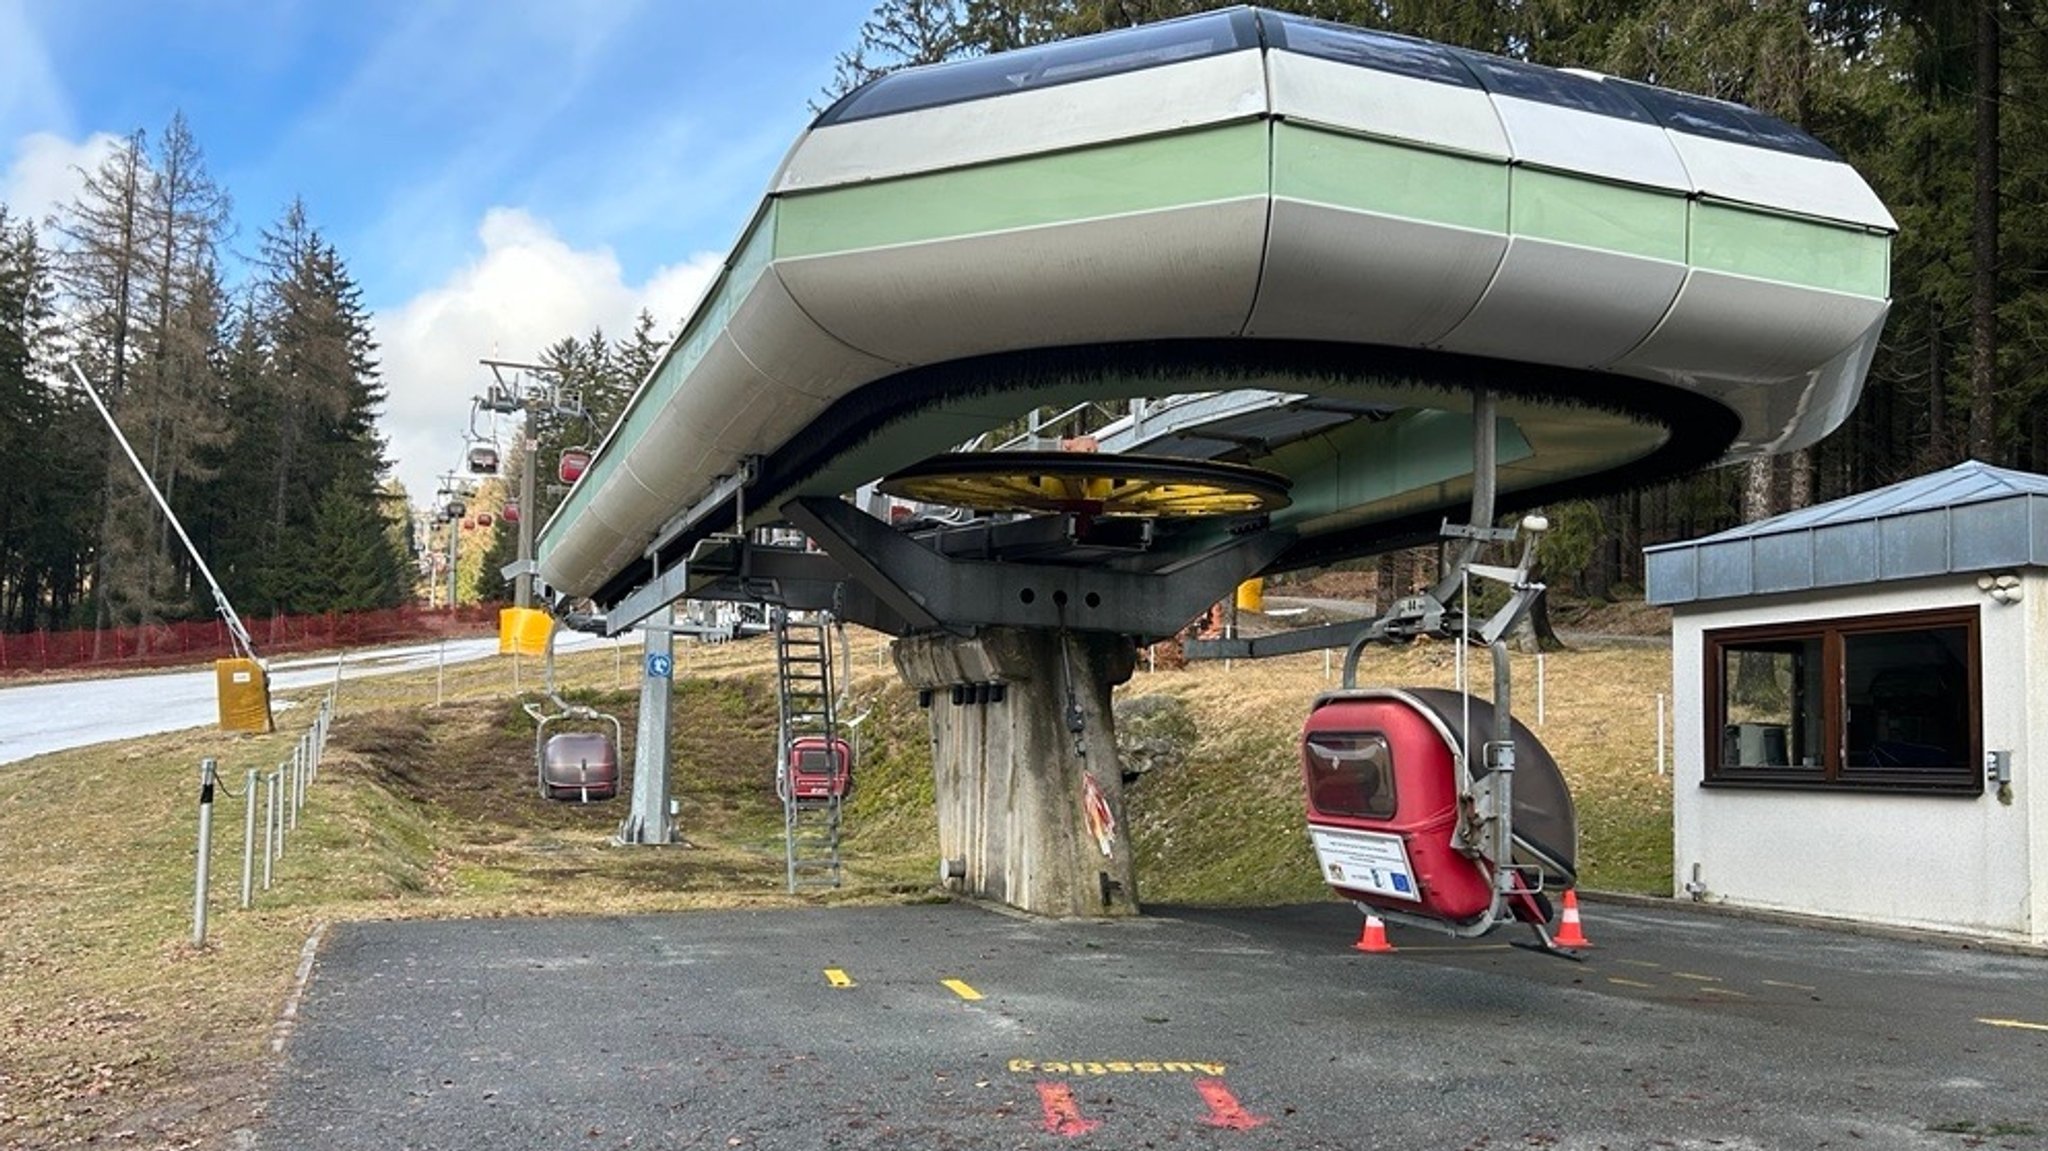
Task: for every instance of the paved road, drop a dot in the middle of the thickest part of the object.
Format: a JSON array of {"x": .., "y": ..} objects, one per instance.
[
  {"x": 36, "y": 719},
  {"x": 956, "y": 1027}
]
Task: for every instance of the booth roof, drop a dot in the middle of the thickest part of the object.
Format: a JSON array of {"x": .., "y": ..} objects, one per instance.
[{"x": 1969, "y": 518}]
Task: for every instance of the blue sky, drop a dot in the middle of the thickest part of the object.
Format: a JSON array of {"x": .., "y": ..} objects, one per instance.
[{"x": 497, "y": 174}]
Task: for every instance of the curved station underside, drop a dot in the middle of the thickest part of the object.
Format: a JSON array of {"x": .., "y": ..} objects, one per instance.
[{"x": 1277, "y": 242}]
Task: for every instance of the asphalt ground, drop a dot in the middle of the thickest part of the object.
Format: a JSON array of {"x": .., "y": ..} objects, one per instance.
[{"x": 955, "y": 1026}]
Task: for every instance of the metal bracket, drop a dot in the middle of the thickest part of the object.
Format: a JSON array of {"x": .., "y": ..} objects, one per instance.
[
  {"x": 931, "y": 591},
  {"x": 721, "y": 493}
]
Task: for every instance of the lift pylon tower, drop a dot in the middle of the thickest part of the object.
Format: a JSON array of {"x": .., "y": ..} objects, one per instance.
[{"x": 810, "y": 814}]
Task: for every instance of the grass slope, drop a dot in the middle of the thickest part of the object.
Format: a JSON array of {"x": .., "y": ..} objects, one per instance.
[{"x": 114, "y": 1029}]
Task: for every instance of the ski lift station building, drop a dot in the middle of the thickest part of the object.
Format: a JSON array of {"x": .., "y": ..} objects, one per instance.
[{"x": 1861, "y": 707}]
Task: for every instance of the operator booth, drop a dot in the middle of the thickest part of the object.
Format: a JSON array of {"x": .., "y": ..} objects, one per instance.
[{"x": 1392, "y": 777}]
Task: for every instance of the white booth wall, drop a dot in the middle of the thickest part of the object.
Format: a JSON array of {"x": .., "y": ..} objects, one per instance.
[{"x": 1950, "y": 863}]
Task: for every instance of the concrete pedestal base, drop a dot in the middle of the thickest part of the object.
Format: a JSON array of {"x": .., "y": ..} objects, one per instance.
[{"x": 1030, "y": 809}]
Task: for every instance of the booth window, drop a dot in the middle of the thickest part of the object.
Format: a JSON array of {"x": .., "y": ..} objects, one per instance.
[
  {"x": 1880, "y": 703},
  {"x": 1350, "y": 774}
]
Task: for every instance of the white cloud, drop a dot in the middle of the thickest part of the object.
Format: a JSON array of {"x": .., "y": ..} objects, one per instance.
[
  {"x": 30, "y": 96},
  {"x": 527, "y": 289},
  {"x": 47, "y": 171}
]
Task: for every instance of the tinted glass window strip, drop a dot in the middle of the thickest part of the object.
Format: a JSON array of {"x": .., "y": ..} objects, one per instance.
[
  {"x": 1720, "y": 120},
  {"x": 1504, "y": 77},
  {"x": 1365, "y": 48},
  {"x": 1048, "y": 66}
]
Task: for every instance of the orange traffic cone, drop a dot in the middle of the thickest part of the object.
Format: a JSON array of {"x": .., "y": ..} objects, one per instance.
[
  {"x": 1374, "y": 937},
  {"x": 1569, "y": 933}
]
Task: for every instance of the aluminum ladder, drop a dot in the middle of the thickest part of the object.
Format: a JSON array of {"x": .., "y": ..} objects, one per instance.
[{"x": 803, "y": 674}]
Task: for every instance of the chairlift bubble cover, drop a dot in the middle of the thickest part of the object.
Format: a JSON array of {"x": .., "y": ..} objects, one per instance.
[
  {"x": 1383, "y": 800},
  {"x": 816, "y": 774},
  {"x": 579, "y": 764}
]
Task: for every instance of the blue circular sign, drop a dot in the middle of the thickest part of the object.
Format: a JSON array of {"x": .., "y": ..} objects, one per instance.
[{"x": 660, "y": 666}]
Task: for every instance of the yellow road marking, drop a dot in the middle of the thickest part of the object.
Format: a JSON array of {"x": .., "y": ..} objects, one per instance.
[
  {"x": 1793, "y": 986},
  {"x": 1629, "y": 982},
  {"x": 2021, "y": 1024},
  {"x": 1723, "y": 991},
  {"x": 960, "y": 988},
  {"x": 838, "y": 978},
  {"x": 1464, "y": 947},
  {"x": 1643, "y": 963},
  {"x": 1696, "y": 978}
]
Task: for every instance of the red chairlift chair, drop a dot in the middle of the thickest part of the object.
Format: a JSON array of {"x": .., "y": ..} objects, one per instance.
[{"x": 1395, "y": 822}]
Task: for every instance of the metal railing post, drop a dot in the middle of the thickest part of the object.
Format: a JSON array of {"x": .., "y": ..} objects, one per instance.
[
  {"x": 270, "y": 844},
  {"x": 248, "y": 837},
  {"x": 206, "y": 778}
]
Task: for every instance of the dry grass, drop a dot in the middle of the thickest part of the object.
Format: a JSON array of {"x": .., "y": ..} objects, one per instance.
[
  {"x": 1600, "y": 724},
  {"x": 113, "y": 1029}
]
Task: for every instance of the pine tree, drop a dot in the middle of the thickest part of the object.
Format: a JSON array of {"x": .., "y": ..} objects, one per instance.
[
  {"x": 349, "y": 561},
  {"x": 46, "y": 521}
]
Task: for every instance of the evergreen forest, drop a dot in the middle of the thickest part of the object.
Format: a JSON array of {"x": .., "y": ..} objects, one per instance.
[{"x": 252, "y": 398}]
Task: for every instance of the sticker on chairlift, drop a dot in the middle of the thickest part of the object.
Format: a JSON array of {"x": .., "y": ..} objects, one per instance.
[{"x": 1365, "y": 861}]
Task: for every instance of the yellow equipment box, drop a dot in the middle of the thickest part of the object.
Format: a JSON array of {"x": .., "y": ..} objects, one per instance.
[
  {"x": 524, "y": 631},
  {"x": 244, "y": 691}
]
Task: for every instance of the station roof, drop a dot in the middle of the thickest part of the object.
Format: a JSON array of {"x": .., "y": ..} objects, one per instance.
[{"x": 1969, "y": 518}]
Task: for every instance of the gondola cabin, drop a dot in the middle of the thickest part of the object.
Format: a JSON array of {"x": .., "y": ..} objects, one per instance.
[
  {"x": 483, "y": 460},
  {"x": 570, "y": 467},
  {"x": 511, "y": 512},
  {"x": 455, "y": 510},
  {"x": 818, "y": 770},
  {"x": 484, "y": 519},
  {"x": 1392, "y": 818}
]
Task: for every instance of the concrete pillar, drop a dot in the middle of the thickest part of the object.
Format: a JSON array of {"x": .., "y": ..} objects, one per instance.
[{"x": 1032, "y": 808}]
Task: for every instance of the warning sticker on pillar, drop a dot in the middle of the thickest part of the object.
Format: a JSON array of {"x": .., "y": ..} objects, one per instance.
[
  {"x": 660, "y": 666},
  {"x": 1101, "y": 820}
]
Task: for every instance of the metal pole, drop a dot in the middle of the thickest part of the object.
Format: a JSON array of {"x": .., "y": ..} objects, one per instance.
[
  {"x": 1660, "y": 733},
  {"x": 649, "y": 820},
  {"x": 454, "y": 557},
  {"x": 220, "y": 598},
  {"x": 440, "y": 670},
  {"x": 295, "y": 784},
  {"x": 248, "y": 837},
  {"x": 269, "y": 826},
  {"x": 205, "y": 852},
  {"x": 522, "y": 588}
]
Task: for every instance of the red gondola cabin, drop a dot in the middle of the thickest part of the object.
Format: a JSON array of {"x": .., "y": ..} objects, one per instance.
[{"x": 570, "y": 468}]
